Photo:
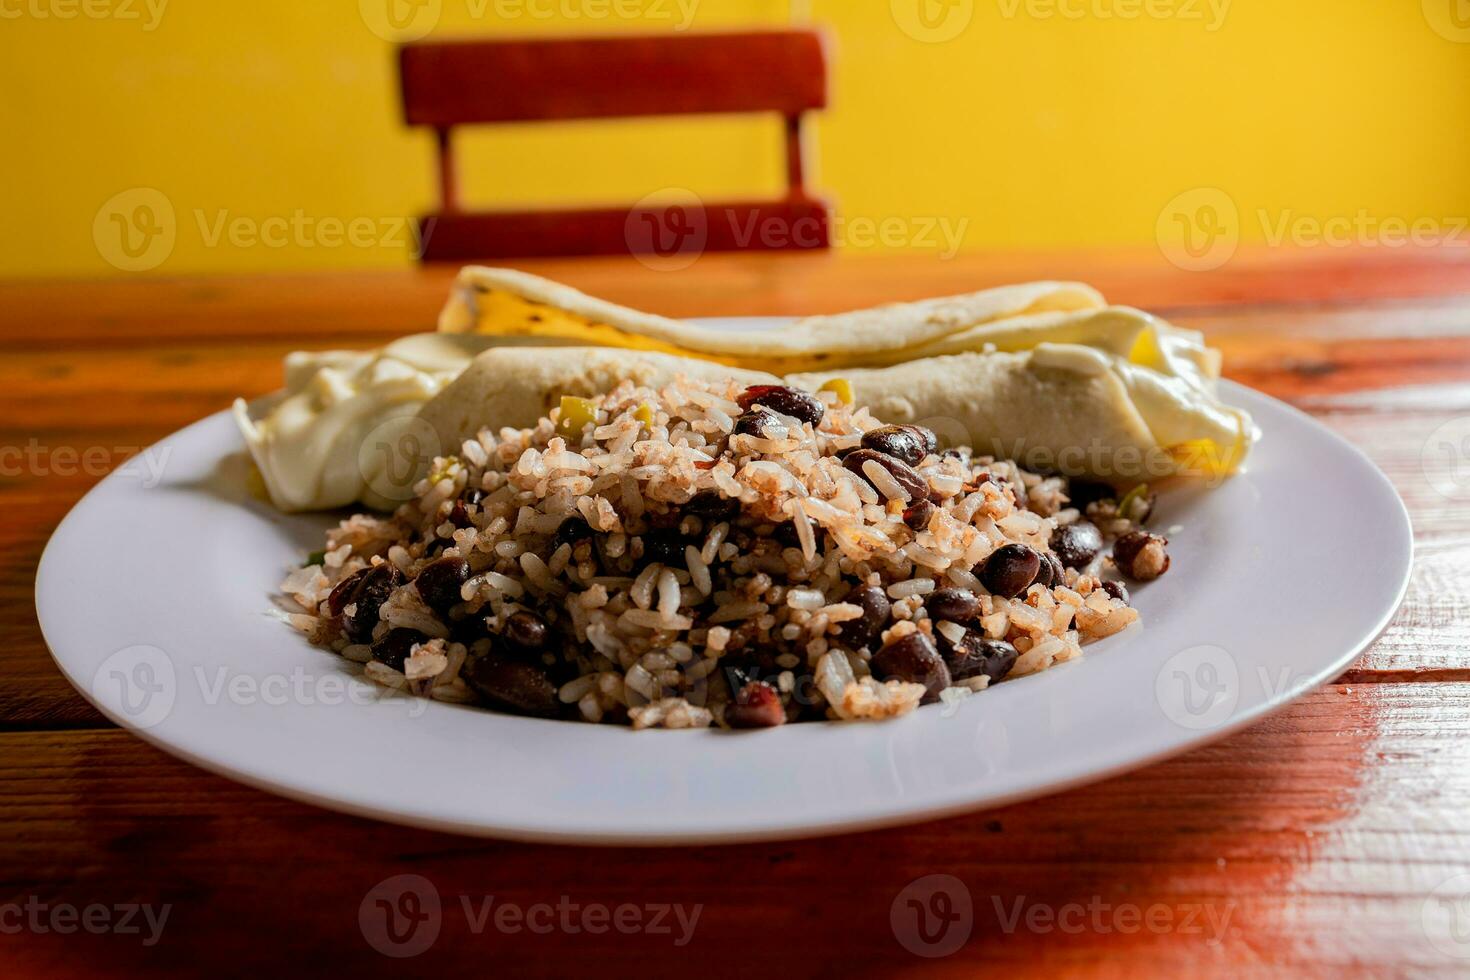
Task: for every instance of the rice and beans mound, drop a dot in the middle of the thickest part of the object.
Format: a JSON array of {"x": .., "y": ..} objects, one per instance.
[{"x": 710, "y": 555}]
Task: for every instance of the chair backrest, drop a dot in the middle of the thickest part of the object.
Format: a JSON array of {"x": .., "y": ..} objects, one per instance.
[
  {"x": 453, "y": 83},
  {"x": 456, "y": 83}
]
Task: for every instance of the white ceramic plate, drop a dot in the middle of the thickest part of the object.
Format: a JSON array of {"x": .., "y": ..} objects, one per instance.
[{"x": 153, "y": 597}]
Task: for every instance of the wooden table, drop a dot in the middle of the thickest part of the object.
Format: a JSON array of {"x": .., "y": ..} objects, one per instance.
[{"x": 1312, "y": 841}]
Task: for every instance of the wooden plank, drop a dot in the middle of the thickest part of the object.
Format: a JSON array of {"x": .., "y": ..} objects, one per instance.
[
  {"x": 1313, "y": 842},
  {"x": 129, "y": 311}
]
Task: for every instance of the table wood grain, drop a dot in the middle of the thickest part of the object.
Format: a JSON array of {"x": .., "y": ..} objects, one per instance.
[{"x": 1324, "y": 840}]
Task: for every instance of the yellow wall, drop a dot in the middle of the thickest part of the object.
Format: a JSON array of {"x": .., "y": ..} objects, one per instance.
[{"x": 1042, "y": 122}]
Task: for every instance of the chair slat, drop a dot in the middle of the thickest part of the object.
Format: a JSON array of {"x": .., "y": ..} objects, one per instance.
[{"x": 460, "y": 82}]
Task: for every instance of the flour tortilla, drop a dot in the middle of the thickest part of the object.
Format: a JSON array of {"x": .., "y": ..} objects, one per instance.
[
  {"x": 878, "y": 333},
  {"x": 1062, "y": 408},
  {"x": 1058, "y": 408},
  {"x": 517, "y": 386}
]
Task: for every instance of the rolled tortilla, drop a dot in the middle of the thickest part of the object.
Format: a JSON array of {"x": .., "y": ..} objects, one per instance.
[
  {"x": 507, "y": 302},
  {"x": 1059, "y": 408},
  {"x": 517, "y": 386}
]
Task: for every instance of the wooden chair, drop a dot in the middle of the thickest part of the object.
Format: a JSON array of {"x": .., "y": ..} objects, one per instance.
[{"x": 449, "y": 84}]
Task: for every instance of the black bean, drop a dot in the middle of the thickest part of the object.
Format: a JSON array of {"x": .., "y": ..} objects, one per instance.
[
  {"x": 714, "y": 505},
  {"x": 1116, "y": 589},
  {"x": 439, "y": 581},
  {"x": 1081, "y": 493},
  {"x": 899, "y": 441},
  {"x": 1051, "y": 573},
  {"x": 526, "y": 630},
  {"x": 917, "y": 516},
  {"x": 913, "y": 658},
  {"x": 757, "y": 705},
  {"x": 393, "y": 649},
  {"x": 800, "y": 405},
  {"x": 571, "y": 531},
  {"x": 753, "y": 422},
  {"x": 907, "y": 477},
  {"x": 372, "y": 588},
  {"x": 469, "y": 630},
  {"x": 341, "y": 594},
  {"x": 926, "y": 438},
  {"x": 861, "y": 632},
  {"x": 1010, "y": 570},
  {"x": 1077, "y": 544},
  {"x": 459, "y": 515},
  {"x": 1141, "y": 556},
  {"x": 664, "y": 546},
  {"x": 954, "y": 605},
  {"x": 976, "y": 654},
  {"x": 513, "y": 684}
]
